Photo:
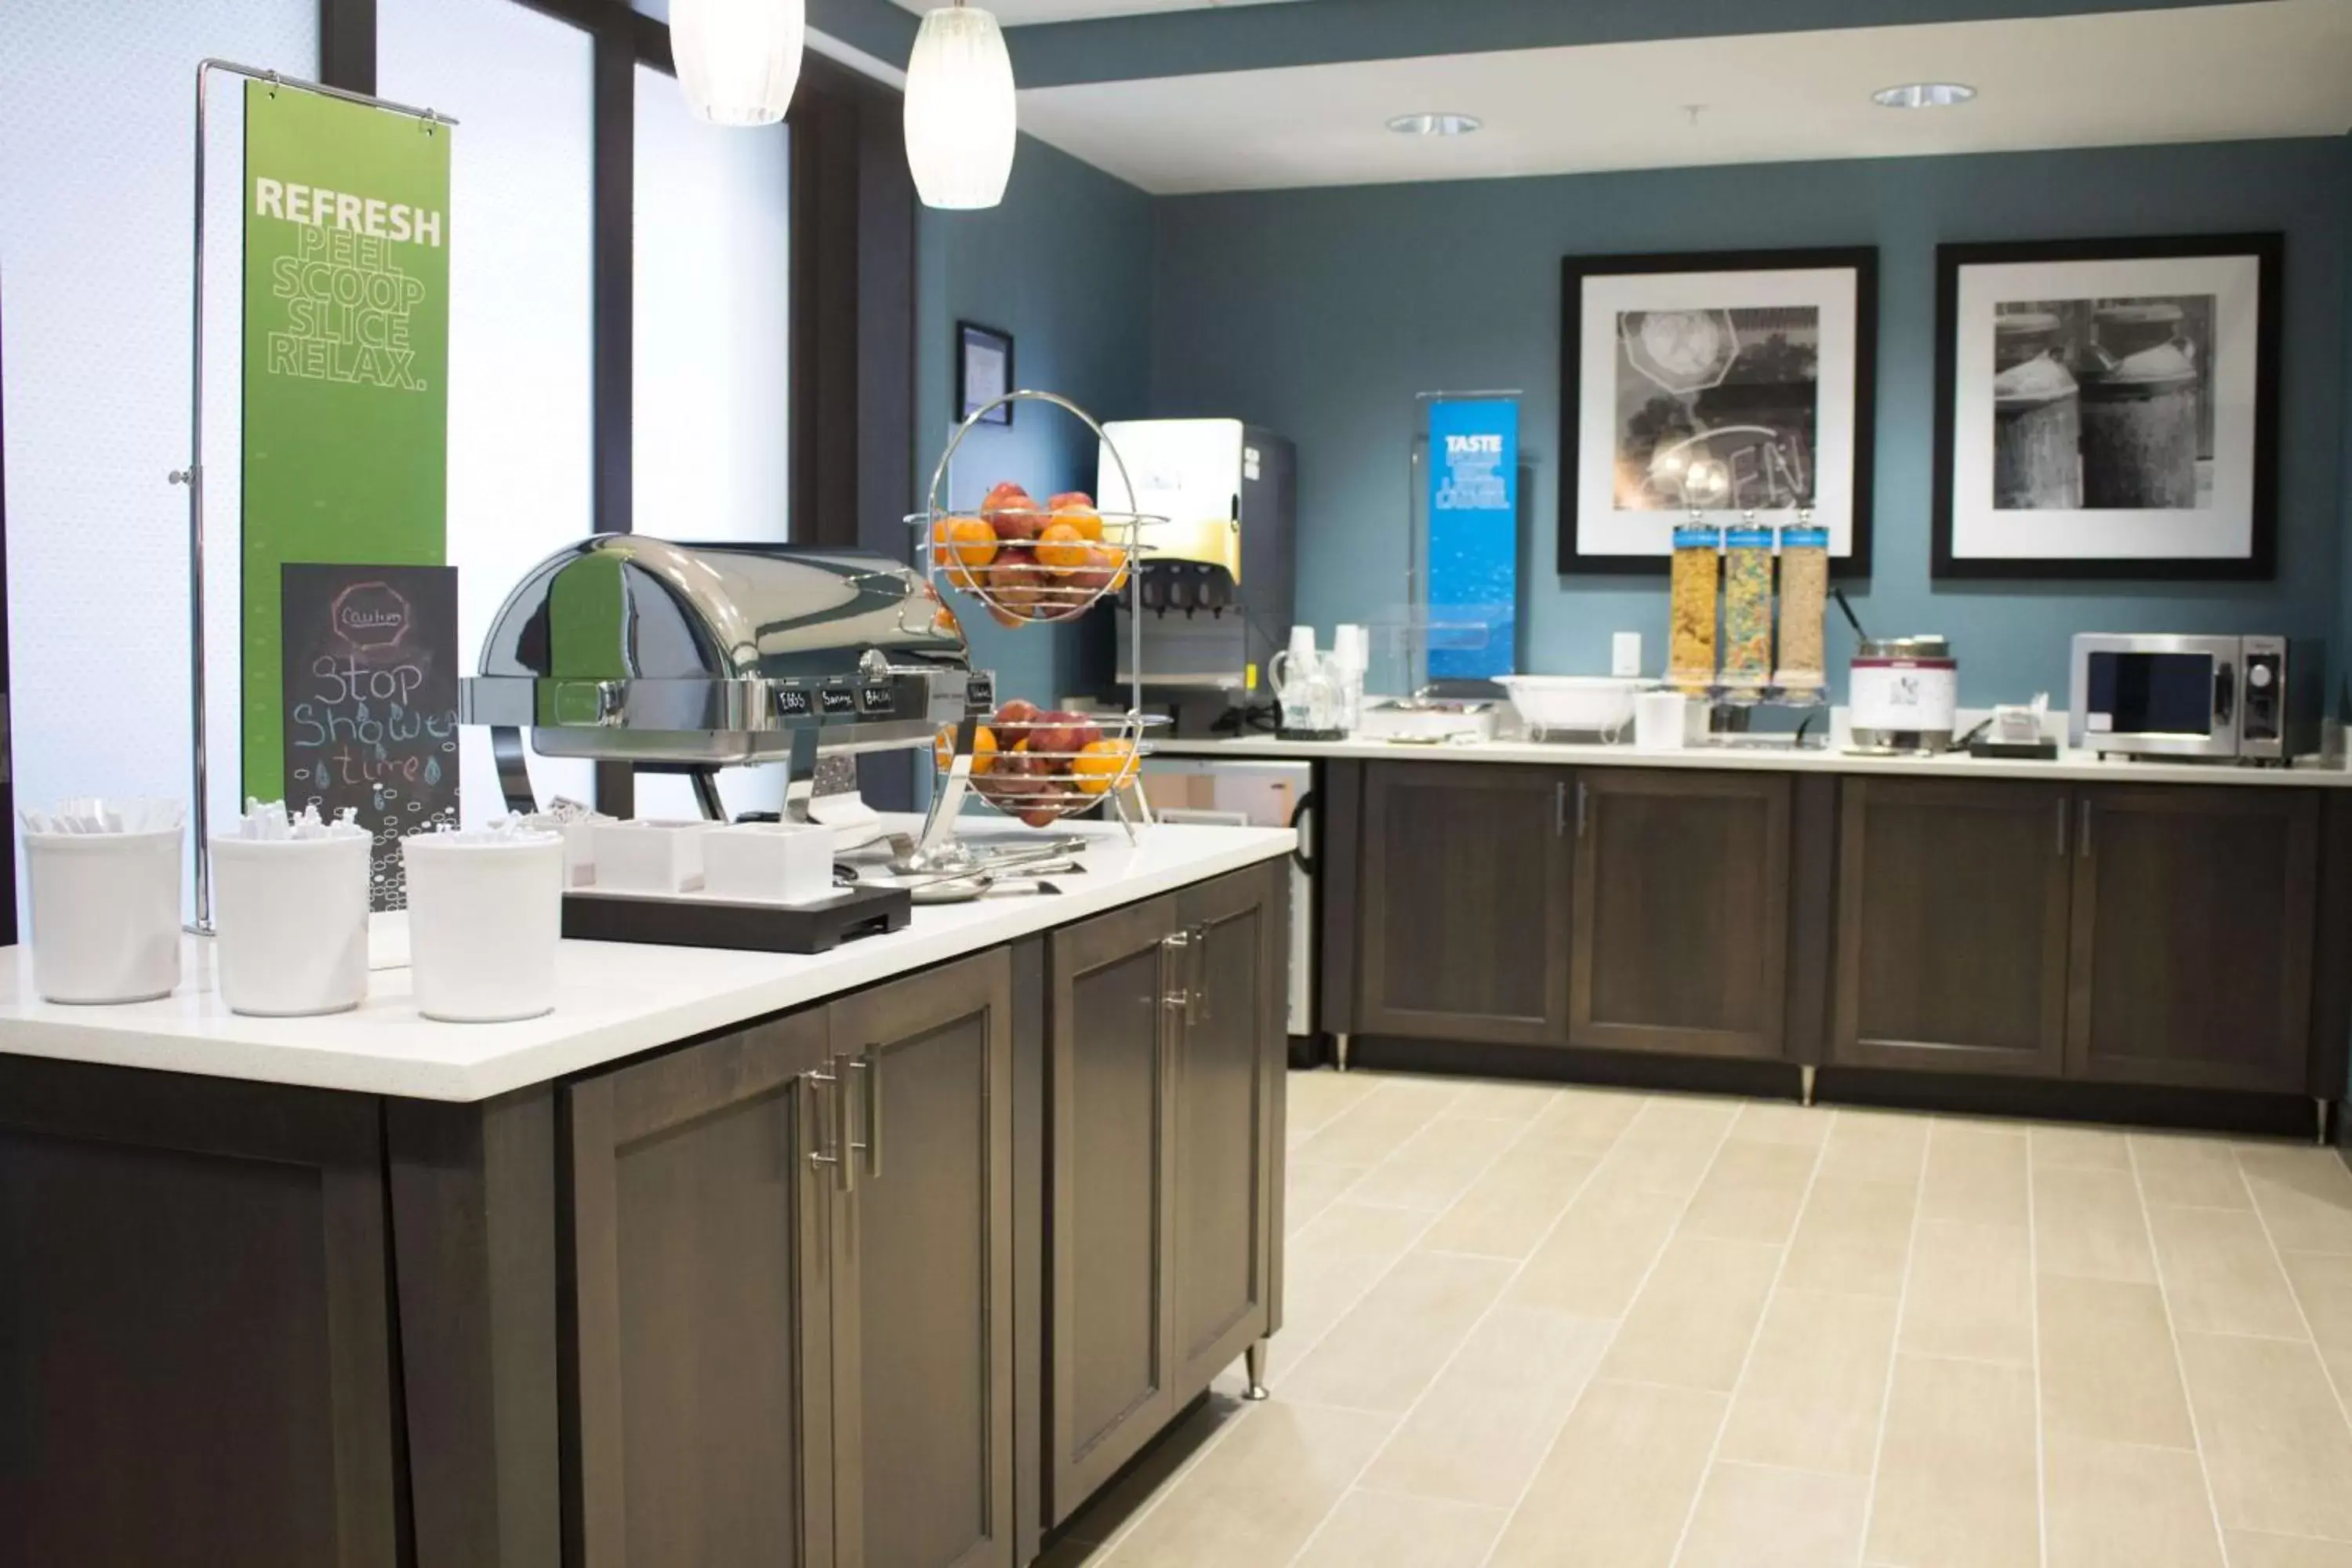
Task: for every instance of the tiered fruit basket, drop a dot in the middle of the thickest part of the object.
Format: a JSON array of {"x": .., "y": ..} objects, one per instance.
[{"x": 1030, "y": 563}]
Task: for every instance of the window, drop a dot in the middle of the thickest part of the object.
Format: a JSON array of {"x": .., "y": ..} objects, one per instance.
[{"x": 522, "y": 86}]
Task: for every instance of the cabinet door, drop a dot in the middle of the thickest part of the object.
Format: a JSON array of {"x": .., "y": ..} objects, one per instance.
[
  {"x": 1681, "y": 920},
  {"x": 1951, "y": 926},
  {"x": 923, "y": 1270},
  {"x": 1231, "y": 1050},
  {"x": 1112, "y": 1238},
  {"x": 2193, "y": 936},
  {"x": 697, "y": 1233},
  {"x": 1465, "y": 910},
  {"x": 195, "y": 1358}
]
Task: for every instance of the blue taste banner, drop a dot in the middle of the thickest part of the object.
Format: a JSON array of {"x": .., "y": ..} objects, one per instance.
[{"x": 1474, "y": 538}]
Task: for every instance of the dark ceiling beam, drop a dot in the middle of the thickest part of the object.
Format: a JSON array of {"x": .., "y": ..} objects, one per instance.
[{"x": 1329, "y": 32}]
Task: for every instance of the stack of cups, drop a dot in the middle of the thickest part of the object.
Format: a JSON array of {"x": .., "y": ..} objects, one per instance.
[
  {"x": 292, "y": 903},
  {"x": 485, "y": 914},
  {"x": 1351, "y": 656},
  {"x": 104, "y": 895}
]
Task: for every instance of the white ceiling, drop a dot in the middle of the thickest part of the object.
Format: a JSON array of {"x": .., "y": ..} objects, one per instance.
[
  {"x": 1021, "y": 12},
  {"x": 2280, "y": 68}
]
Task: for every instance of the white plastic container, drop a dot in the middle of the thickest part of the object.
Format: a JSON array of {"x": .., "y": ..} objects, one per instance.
[
  {"x": 485, "y": 914},
  {"x": 105, "y": 915},
  {"x": 769, "y": 862},
  {"x": 650, "y": 856},
  {"x": 1664, "y": 720},
  {"x": 292, "y": 915},
  {"x": 1572, "y": 704}
]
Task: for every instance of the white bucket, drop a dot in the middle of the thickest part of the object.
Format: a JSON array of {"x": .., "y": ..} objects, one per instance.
[
  {"x": 293, "y": 920},
  {"x": 485, "y": 914},
  {"x": 105, "y": 914}
]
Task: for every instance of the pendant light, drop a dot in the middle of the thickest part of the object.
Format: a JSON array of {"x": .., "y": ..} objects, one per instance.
[
  {"x": 960, "y": 114},
  {"x": 737, "y": 60}
]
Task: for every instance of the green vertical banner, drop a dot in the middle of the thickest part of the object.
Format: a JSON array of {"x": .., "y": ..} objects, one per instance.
[{"x": 346, "y": 363}]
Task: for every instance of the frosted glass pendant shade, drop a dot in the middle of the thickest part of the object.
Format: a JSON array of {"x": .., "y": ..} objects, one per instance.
[
  {"x": 737, "y": 60},
  {"x": 959, "y": 116}
]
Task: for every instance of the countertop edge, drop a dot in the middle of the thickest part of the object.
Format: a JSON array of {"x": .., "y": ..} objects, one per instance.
[
  {"x": 851, "y": 967},
  {"x": 2068, "y": 768}
]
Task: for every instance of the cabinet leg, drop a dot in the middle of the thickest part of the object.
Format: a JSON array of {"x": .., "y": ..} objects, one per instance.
[
  {"x": 1253, "y": 1364},
  {"x": 1339, "y": 1046},
  {"x": 1805, "y": 1084}
]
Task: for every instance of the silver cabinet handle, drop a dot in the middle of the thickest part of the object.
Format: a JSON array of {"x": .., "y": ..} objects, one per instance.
[
  {"x": 2062, "y": 827},
  {"x": 1583, "y": 813},
  {"x": 868, "y": 1069},
  {"x": 834, "y": 1138},
  {"x": 2083, "y": 832},
  {"x": 1174, "y": 998},
  {"x": 1560, "y": 809},
  {"x": 1196, "y": 993}
]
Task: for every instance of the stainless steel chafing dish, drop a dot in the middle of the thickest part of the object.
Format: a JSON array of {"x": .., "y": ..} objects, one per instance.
[{"x": 690, "y": 657}]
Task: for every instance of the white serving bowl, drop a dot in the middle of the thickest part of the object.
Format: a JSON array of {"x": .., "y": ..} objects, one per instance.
[{"x": 1579, "y": 704}]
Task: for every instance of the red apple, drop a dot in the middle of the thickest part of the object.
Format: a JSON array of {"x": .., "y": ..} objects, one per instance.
[
  {"x": 1011, "y": 514},
  {"x": 1076, "y": 500}
]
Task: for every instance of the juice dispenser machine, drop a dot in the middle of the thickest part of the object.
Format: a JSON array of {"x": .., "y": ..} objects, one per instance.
[{"x": 1216, "y": 576}]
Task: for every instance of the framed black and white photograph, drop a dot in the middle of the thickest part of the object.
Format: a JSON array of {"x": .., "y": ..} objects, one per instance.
[
  {"x": 1724, "y": 382},
  {"x": 2107, "y": 408},
  {"x": 983, "y": 371}
]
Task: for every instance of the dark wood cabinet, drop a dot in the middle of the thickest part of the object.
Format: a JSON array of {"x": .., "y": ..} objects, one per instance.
[
  {"x": 793, "y": 1277},
  {"x": 922, "y": 1307},
  {"x": 702, "y": 1241},
  {"x": 1952, "y": 926},
  {"x": 1110, "y": 1079},
  {"x": 1230, "y": 1063},
  {"x": 2192, "y": 931},
  {"x": 1463, "y": 916},
  {"x": 1166, "y": 1059},
  {"x": 1679, "y": 927},
  {"x": 195, "y": 1355}
]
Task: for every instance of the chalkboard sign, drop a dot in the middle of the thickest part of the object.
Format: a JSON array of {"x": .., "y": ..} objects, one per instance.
[{"x": 370, "y": 683}]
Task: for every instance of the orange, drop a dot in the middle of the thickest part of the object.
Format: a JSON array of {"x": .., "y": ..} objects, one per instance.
[
  {"x": 983, "y": 749},
  {"x": 1112, "y": 555},
  {"x": 1062, "y": 547},
  {"x": 968, "y": 540},
  {"x": 1084, "y": 518},
  {"x": 1099, "y": 766}
]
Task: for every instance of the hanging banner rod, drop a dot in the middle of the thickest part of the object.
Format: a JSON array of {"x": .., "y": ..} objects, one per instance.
[{"x": 193, "y": 476}]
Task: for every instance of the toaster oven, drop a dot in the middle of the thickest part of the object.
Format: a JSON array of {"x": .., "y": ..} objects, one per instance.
[{"x": 2224, "y": 698}]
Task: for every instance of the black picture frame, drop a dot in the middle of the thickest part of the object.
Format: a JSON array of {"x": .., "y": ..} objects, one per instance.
[
  {"x": 2260, "y": 562},
  {"x": 1861, "y": 259},
  {"x": 972, "y": 336}
]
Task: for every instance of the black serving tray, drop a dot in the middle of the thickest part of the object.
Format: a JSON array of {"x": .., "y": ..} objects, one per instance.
[{"x": 692, "y": 920}]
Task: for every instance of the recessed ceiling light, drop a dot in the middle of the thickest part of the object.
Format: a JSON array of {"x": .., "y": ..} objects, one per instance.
[
  {"x": 1923, "y": 95},
  {"x": 1436, "y": 124}
]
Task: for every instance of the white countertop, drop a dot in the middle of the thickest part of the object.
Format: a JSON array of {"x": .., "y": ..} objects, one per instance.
[
  {"x": 612, "y": 998},
  {"x": 2070, "y": 766}
]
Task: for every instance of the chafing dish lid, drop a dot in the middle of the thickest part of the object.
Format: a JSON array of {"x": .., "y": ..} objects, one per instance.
[{"x": 629, "y": 607}]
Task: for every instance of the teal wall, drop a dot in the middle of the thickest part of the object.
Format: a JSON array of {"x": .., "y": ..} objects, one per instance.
[
  {"x": 1065, "y": 265},
  {"x": 1321, "y": 312}
]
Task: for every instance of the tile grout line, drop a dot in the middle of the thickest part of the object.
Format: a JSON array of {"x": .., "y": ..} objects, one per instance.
[
  {"x": 1160, "y": 1493},
  {"x": 1166, "y": 1488},
  {"x": 1355, "y": 1481},
  {"x": 1755, "y": 1336},
  {"x": 1894, "y": 1347},
  {"x": 2278, "y": 1256},
  {"x": 1617, "y": 1327},
  {"x": 2172, "y": 1333},
  {"x": 2033, "y": 1320}
]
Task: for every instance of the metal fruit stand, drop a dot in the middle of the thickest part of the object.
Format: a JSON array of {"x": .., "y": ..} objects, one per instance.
[{"x": 1039, "y": 770}]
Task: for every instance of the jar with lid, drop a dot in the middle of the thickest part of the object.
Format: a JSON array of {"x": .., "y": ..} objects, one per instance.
[
  {"x": 1747, "y": 607},
  {"x": 1804, "y": 603},
  {"x": 1690, "y": 639}
]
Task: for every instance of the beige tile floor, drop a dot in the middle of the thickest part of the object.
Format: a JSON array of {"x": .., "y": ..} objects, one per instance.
[{"x": 1585, "y": 1329}]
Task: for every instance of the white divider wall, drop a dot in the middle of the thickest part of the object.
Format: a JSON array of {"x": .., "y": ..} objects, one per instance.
[{"x": 95, "y": 151}]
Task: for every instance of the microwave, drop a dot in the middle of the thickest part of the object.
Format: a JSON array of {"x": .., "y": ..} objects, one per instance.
[{"x": 2146, "y": 694}]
